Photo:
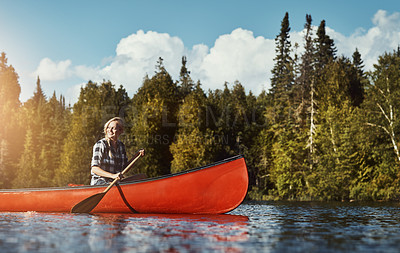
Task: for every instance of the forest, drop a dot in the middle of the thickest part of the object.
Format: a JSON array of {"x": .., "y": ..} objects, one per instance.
[{"x": 326, "y": 130}]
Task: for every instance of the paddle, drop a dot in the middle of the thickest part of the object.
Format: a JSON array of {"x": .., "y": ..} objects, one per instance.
[{"x": 88, "y": 204}]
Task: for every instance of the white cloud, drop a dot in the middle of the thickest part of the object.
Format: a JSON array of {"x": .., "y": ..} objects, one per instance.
[
  {"x": 383, "y": 37},
  {"x": 137, "y": 55},
  {"x": 235, "y": 56},
  {"x": 49, "y": 70}
]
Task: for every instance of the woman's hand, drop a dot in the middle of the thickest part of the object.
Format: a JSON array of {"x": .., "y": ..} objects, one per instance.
[{"x": 118, "y": 175}]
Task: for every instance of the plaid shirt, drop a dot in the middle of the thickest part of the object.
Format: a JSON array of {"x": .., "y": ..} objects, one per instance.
[{"x": 102, "y": 159}]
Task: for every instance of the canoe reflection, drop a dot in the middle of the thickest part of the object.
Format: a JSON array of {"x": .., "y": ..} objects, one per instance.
[{"x": 168, "y": 231}]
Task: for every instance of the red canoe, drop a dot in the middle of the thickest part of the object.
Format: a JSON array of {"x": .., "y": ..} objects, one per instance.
[{"x": 213, "y": 189}]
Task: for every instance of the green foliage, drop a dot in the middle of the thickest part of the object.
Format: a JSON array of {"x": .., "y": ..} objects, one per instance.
[
  {"x": 338, "y": 158},
  {"x": 96, "y": 105},
  {"x": 45, "y": 125},
  {"x": 283, "y": 75},
  {"x": 288, "y": 171},
  {"x": 378, "y": 178},
  {"x": 34, "y": 112},
  {"x": 325, "y": 47},
  {"x": 10, "y": 143},
  {"x": 325, "y": 131},
  {"x": 153, "y": 117},
  {"x": 28, "y": 165},
  {"x": 192, "y": 146}
]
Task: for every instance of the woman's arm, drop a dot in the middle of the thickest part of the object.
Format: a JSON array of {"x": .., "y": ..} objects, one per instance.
[{"x": 102, "y": 173}]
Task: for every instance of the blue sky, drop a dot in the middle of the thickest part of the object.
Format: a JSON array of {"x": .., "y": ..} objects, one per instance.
[{"x": 67, "y": 43}]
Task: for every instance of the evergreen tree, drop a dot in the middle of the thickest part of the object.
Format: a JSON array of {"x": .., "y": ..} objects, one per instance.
[
  {"x": 193, "y": 143},
  {"x": 358, "y": 62},
  {"x": 285, "y": 171},
  {"x": 153, "y": 118},
  {"x": 224, "y": 120},
  {"x": 325, "y": 46},
  {"x": 11, "y": 134},
  {"x": 357, "y": 86},
  {"x": 28, "y": 164},
  {"x": 216, "y": 119},
  {"x": 339, "y": 156},
  {"x": 192, "y": 146},
  {"x": 338, "y": 149},
  {"x": 381, "y": 111},
  {"x": 46, "y": 127},
  {"x": 95, "y": 106},
  {"x": 305, "y": 95},
  {"x": 261, "y": 150},
  {"x": 303, "y": 85},
  {"x": 254, "y": 123},
  {"x": 59, "y": 119},
  {"x": 186, "y": 84},
  {"x": 35, "y": 114},
  {"x": 341, "y": 82},
  {"x": 282, "y": 74}
]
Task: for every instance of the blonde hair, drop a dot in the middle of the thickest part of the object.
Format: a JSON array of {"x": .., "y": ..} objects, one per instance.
[{"x": 120, "y": 124}]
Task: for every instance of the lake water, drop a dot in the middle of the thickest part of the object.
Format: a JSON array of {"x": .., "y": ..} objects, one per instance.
[{"x": 252, "y": 227}]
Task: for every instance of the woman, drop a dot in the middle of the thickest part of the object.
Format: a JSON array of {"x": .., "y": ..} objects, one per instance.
[{"x": 109, "y": 154}]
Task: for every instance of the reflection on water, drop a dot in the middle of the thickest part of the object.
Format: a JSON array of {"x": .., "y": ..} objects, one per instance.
[
  {"x": 41, "y": 232},
  {"x": 152, "y": 233},
  {"x": 325, "y": 227},
  {"x": 267, "y": 227}
]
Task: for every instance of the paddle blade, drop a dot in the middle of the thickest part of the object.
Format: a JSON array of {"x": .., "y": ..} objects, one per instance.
[{"x": 88, "y": 204}]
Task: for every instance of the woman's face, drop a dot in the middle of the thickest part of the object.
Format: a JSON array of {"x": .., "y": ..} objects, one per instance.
[{"x": 114, "y": 130}]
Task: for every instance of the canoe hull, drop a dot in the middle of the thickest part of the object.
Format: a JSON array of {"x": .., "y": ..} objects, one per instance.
[{"x": 213, "y": 189}]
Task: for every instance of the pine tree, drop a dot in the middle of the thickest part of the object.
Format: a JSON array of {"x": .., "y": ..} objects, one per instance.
[
  {"x": 33, "y": 164},
  {"x": 216, "y": 119},
  {"x": 325, "y": 46},
  {"x": 95, "y": 106},
  {"x": 192, "y": 147},
  {"x": 305, "y": 94},
  {"x": 303, "y": 90},
  {"x": 29, "y": 165},
  {"x": 338, "y": 150},
  {"x": 11, "y": 134},
  {"x": 224, "y": 118},
  {"x": 358, "y": 62},
  {"x": 282, "y": 74},
  {"x": 261, "y": 148},
  {"x": 341, "y": 82},
  {"x": 339, "y": 156},
  {"x": 285, "y": 171},
  {"x": 59, "y": 121},
  {"x": 324, "y": 55},
  {"x": 153, "y": 118},
  {"x": 357, "y": 86},
  {"x": 243, "y": 126},
  {"x": 186, "y": 84}
]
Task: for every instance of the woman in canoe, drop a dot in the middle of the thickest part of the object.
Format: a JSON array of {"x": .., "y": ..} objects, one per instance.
[{"x": 109, "y": 154}]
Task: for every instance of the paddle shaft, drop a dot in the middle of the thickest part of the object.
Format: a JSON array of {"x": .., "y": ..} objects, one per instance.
[
  {"x": 87, "y": 205},
  {"x": 122, "y": 173}
]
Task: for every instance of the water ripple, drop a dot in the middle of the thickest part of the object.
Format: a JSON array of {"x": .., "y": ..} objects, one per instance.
[{"x": 252, "y": 227}]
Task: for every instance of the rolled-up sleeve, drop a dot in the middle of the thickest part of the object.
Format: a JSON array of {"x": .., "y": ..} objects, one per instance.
[{"x": 98, "y": 152}]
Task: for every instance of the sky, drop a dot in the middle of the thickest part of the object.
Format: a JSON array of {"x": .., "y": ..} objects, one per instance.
[{"x": 68, "y": 43}]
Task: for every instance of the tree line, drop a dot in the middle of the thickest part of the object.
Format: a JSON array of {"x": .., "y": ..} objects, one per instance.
[{"x": 326, "y": 130}]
